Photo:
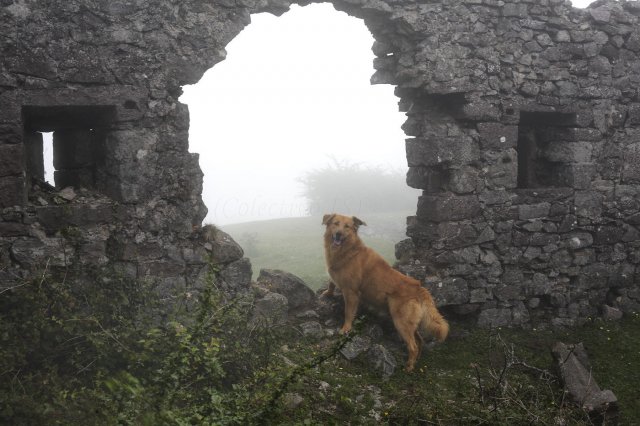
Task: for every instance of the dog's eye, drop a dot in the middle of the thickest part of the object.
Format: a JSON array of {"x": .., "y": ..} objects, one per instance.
[{"x": 347, "y": 226}]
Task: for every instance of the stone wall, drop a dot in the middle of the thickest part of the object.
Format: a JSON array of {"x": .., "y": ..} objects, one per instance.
[{"x": 523, "y": 133}]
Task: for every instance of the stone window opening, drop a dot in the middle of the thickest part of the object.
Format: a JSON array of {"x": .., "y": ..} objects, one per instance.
[
  {"x": 544, "y": 155},
  {"x": 47, "y": 155},
  {"x": 78, "y": 136}
]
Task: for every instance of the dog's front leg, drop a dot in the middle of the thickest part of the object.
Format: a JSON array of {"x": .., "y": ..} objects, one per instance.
[
  {"x": 351, "y": 300},
  {"x": 329, "y": 292}
]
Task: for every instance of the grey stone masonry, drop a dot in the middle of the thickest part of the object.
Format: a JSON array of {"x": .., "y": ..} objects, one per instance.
[{"x": 523, "y": 131}]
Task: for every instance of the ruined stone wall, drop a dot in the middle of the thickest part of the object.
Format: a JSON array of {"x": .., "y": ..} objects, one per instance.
[{"x": 522, "y": 131}]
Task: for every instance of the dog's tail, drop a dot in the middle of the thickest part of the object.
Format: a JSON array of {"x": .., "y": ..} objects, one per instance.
[{"x": 432, "y": 322}]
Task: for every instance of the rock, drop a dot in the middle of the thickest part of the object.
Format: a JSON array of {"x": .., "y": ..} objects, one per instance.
[
  {"x": 312, "y": 329},
  {"x": 67, "y": 194},
  {"x": 287, "y": 284},
  {"x": 237, "y": 275},
  {"x": 39, "y": 253},
  {"x": 578, "y": 380},
  {"x": 310, "y": 314},
  {"x": 601, "y": 14},
  {"x": 494, "y": 317},
  {"x": 223, "y": 248},
  {"x": 610, "y": 313},
  {"x": 358, "y": 345},
  {"x": 292, "y": 400},
  {"x": 270, "y": 310},
  {"x": 382, "y": 360}
]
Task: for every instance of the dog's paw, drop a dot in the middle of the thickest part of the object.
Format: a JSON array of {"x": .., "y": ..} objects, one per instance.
[
  {"x": 344, "y": 330},
  {"x": 327, "y": 293}
]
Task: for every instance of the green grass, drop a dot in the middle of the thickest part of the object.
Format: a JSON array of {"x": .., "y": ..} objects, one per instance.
[
  {"x": 460, "y": 382},
  {"x": 295, "y": 244}
]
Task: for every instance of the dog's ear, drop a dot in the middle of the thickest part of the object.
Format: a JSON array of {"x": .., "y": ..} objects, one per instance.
[
  {"x": 327, "y": 218},
  {"x": 357, "y": 222}
]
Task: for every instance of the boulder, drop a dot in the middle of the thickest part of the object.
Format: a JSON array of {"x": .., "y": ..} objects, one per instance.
[
  {"x": 287, "y": 284},
  {"x": 271, "y": 309}
]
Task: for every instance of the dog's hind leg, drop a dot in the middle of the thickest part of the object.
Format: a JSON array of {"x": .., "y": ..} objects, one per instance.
[
  {"x": 406, "y": 319},
  {"x": 420, "y": 342}
]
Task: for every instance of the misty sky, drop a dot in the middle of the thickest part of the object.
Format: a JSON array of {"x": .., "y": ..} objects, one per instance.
[{"x": 292, "y": 93}]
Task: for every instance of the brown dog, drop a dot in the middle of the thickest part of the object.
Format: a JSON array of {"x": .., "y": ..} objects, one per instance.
[{"x": 360, "y": 272}]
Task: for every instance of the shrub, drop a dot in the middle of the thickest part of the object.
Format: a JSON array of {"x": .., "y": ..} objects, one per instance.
[
  {"x": 98, "y": 353},
  {"x": 355, "y": 189}
]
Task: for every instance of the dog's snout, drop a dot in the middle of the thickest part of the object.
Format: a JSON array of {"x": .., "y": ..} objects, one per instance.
[{"x": 338, "y": 234}]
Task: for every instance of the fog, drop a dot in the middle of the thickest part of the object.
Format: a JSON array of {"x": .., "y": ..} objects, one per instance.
[{"x": 292, "y": 95}]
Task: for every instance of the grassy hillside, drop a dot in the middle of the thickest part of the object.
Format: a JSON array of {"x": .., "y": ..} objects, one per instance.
[{"x": 295, "y": 244}]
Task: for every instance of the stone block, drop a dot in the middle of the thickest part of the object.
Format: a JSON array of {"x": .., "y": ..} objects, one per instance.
[
  {"x": 440, "y": 150},
  {"x": 497, "y": 136},
  {"x": 588, "y": 204},
  {"x": 13, "y": 229},
  {"x": 494, "y": 317},
  {"x": 54, "y": 218},
  {"x": 12, "y": 191},
  {"x": 634, "y": 114},
  {"x": 450, "y": 291},
  {"x": 35, "y": 253},
  {"x": 237, "y": 275},
  {"x": 502, "y": 171},
  {"x": 11, "y": 160},
  {"x": 426, "y": 178},
  {"x": 462, "y": 180},
  {"x": 631, "y": 163},
  {"x": 533, "y": 211},
  {"x": 448, "y": 207},
  {"x": 515, "y": 9}
]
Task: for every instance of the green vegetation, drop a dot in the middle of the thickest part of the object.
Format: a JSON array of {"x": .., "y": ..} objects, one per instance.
[
  {"x": 295, "y": 244},
  {"x": 104, "y": 352},
  {"x": 499, "y": 377}
]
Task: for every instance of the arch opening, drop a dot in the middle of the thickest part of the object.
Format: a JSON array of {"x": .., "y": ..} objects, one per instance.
[{"x": 294, "y": 96}]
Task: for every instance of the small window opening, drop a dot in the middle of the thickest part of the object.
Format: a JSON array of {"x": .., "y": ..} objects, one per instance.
[
  {"x": 47, "y": 155},
  {"x": 65, "y": 144},
  {"x": 538, "y": 136}
]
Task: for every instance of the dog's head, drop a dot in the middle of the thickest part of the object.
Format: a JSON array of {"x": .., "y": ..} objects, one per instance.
[{"x": 341, "y": 229}]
